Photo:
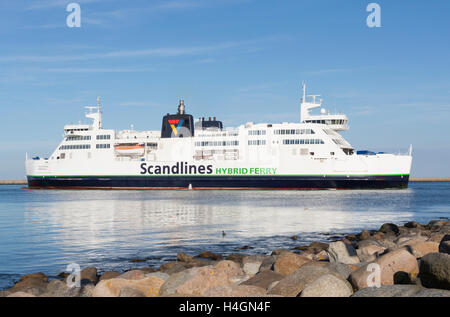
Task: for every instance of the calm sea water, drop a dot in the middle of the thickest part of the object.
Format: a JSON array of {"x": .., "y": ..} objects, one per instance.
[{"x": 47, "y": 230}]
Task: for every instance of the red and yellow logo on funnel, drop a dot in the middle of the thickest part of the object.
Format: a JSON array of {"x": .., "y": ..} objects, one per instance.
[{"x": 176, "y": 125}]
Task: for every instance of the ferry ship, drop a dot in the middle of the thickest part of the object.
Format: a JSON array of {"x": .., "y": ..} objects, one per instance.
[{"x": 202, "y": 154}]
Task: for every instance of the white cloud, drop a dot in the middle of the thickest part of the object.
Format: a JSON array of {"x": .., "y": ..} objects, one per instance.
[
  {"x": 49, "y": 4},
  {"x": 156, "y": 52},
  {"x": 95, "y": 70},
  {"x": 139, "y": 104}
]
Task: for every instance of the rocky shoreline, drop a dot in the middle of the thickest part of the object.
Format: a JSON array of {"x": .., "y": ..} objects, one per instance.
[{"x": 412, "y": 260}]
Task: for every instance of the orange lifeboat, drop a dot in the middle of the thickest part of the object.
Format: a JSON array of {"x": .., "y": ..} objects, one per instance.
[{"x": 130, "y": 149}]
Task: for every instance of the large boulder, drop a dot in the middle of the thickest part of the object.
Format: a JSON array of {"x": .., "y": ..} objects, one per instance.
[
  {"x": 430, "y": 292},
  {"x": 267, "y": 263},
  {"x": 57, "y": 288},
  {"x": 412, "y": 224},
  {"x": 251, "y": 264},
  {"x": 87, "y": 290},
  {"x": 420, "y": 249},
  {"x": 133, "y": 275},
  {"x": 160, "y": 275},
  {"x": 130, "y": 292},
  {"x": 149, "y": 286},
  {"x": 435, "y": 270},
  {"x": 444, "y": 245},
  {"x": 40, "y": 275},
  {"x": 389, "y": 229},
  {"x": 341, "y": 252},
  {"x": 32, "y": 285},
  {"x": 435, "y": 225},
  {"x": 436, "y": 236},
  {"x": 390, "y": 264},
  {"x": 389, "y": 291},
  {"x": 344, "y": 270},
  {"x": 235, "y": 291},
  {"x": 263, "y": 279},
  {"x": 292, "y": 285},
  {"x": 369, "y": 252},
  {"x": 288, "y": 262},
  {"x": 328, "y": 286},
  {"x": 20, "y": 294},
  {"x": 172, "y": 267},
  {"x": 408, "y": 239},
  {"x": 232, "y": 269},
  {"x": 197, "y": 280},
  {"x": 108, "y": 275},
  {"x": 89, "y": 273}
]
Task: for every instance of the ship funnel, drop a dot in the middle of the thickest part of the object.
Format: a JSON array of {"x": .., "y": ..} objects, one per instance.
[{"x": 181, "y": 107}]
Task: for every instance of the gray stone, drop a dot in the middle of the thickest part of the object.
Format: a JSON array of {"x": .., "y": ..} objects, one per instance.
[
  {"x": 197, "y": 280},
  {"x": 293, "y": 284},
  {"x": 172, "y": 267},
  {"x": 57, "y": 288},
  {"x": 40, "y": 275},
  {"x": 161, "y": 275},
  {"x": 267, "y": 263},
  {"x": 130, "y": 292},
  {"x": 20, "y": 294},
  {"x": 87, "y": 290},
  {"x": 435, "y": 225},
  {"x": 33, "y": 285},
  {"x": 390, "y": 229},
  {"x": 109, "y": 275},
  {"x": 389, "y": 291},
  {"x": 251, "y": 264},
  {"x": 344, "y": 253},
  {"x": 89, "y": 273},
  {"x": 444, "y": 245},
  {"x": 328, "y": 286},
  {"x": 434, "y": 270},
  {"x": 235, "y": 291},
  {"x": 344, "y": 270},
  {"x": 264, "y": 279},
  {"x": 430, "y": 292},
  {"x": 412, "y": 224}
]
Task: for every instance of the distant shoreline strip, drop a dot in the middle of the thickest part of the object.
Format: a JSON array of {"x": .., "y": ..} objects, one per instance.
[
  {"x": 430, "y": 179},
  {"x": 416, "y": 180}
]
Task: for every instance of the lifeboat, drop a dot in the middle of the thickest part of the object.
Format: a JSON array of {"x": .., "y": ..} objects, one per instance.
[{"x": 130, "y": 149}]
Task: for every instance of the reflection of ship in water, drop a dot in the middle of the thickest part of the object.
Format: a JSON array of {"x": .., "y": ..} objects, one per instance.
[{"x": 118, "y": 223}]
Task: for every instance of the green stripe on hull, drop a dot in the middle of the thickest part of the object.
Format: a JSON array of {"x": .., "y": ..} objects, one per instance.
[{"x": 214, "y": 175}]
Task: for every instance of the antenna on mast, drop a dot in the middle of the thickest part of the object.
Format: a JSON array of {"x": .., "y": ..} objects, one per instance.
[
  {"x": 98, "y": 103},
  {"x": 96, "y": 116},
  {"x": 304, "y": 91}
]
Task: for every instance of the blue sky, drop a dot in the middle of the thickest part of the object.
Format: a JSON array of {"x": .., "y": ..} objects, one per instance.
[{"x": 238, "y": 60}]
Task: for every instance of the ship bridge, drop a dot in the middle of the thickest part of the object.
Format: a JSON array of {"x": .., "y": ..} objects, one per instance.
[
  {"x": 93, "y": 112},
  {"x": 337, "y": 122}
]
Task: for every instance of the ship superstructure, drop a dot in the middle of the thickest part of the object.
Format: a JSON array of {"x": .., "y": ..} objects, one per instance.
[{"x": 202, "y": 154}]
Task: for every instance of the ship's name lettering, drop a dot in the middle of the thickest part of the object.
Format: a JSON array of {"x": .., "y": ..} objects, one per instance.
[
  {"x": 180, "y": 168},
  {"x": 246, "y": 171}
]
